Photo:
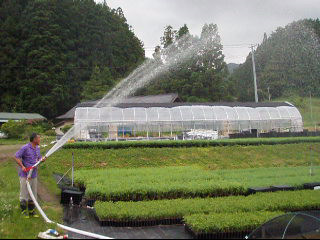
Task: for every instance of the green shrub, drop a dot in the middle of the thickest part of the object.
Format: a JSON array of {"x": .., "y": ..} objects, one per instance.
[
  {"x": 184, "y": 182},
  {"x": 23, "y": 129},
  {"x": 14, "y": 129},
  {"x": 193, "y": 143},
  {"x": 50, "y": 133},
  {"x": 228, "y": 222},
  {"x": 66, "y": 128},
  {"x": 178, "y": 208},
  {"x": 44, "y": 126}
]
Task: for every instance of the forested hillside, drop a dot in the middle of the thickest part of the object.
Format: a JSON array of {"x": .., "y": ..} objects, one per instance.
[
  {"x": 54, "y": 54},
  {"x": 50, "y": 50},
  {"x": 287, "y": 62}
]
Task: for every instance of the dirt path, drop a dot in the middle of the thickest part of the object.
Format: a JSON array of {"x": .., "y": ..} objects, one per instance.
[
  {"x": 45, "y": 195},
  {"x": 7, "y": 153}
]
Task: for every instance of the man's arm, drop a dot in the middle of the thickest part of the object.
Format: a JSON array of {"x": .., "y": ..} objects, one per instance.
[
  {"x": 18, "y": 158},
  {"x": 19, "y": 162}
]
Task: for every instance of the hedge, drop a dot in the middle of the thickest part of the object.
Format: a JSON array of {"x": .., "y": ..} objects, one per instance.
[
  {"x": 193, "y": 143},
  {"x": 184, "y": 182},
  {"x": 228, "y": 222},
  {"x": 178, "y": 208}
]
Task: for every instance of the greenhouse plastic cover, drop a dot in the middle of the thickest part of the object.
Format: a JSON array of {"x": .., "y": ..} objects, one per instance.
[
  {"x": 186, "y": 117},
  {"x": 300, "y": 225}
]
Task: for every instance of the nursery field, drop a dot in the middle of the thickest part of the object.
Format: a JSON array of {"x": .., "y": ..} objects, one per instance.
[
  {"x": 179, "y": 208},
  {"x": 184, "y": 177},
  {"x": 185, "y": 182}
]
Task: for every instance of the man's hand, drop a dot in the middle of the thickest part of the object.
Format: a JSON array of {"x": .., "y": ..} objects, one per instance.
[
  {"x": 24, "y": 169},
  {"x": 44, "y": 159}
]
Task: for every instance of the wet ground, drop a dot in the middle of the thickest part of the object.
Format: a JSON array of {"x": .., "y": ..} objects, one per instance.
[{"x": 84, "y": 219}]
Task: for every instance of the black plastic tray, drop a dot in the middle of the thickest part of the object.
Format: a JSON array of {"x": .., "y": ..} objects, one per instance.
[
  {"x": 311, "y": 185},
  {"x": 283, "y": 188},
  {"x": 220, "y": 235},
  {"x": 140, "y": 223},
  {"x": 260, "y": 189}
]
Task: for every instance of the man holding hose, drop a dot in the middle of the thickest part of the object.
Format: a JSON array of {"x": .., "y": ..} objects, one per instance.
[{"x": 27, "y": 157}]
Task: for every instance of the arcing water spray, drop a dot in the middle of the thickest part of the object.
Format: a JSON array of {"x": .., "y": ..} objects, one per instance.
[{"x": 144, "y": 75}]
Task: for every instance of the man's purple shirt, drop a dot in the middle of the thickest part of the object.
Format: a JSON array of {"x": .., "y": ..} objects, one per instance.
[{"x": 29, "y": 157}]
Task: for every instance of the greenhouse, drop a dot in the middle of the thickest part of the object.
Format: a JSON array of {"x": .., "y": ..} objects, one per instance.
[{"x": 184, "y": 121}]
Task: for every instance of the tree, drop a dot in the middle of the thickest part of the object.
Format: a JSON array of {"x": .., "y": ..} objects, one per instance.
[
  {"x": 10, "y": 52},
  {"x": 184, "y": 30},
  {"x": 211, "y": 52},
  {"x": 201, "y": 76},
  {"x": 169, "y": 36},
  {"x": 98, "y": 85}
]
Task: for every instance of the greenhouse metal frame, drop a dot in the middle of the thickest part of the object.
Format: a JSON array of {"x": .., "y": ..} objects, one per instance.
[{"x": 169, "y": 121}]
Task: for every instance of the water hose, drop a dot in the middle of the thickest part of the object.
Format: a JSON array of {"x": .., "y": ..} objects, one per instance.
[{"x": 44, "y": 216}]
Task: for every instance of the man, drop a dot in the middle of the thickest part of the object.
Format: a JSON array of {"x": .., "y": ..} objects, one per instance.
[{"x": 26, "y": 157}]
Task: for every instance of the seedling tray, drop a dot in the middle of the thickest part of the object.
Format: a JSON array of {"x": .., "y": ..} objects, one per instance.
[
  {"x": 311, "y": 185},
  {"x": 139, "y": 223},
  {"x": 260, "y": 189},
  {"x": 218, "y": 235},
  {"x": 283, "y": 188}
]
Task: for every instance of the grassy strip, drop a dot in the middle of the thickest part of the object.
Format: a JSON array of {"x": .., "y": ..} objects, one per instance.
[
  {"x": 185, "y": 182},
  {"x": 12, "y": 225},
  {"x": 163, "y": 209},
  {"x": 232, "y": 157},
  {"x": 228, "y": 222},
  {"x": 195, "y": 143},
  {"x": 12, "y": 142},
  {"x": 44, "y": 140}
]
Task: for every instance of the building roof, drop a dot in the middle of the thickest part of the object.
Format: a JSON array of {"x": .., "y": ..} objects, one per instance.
[
  {"x": 5, "y": 116},
  {"x": 153, "y": 99},
  {"x": 226, "y": 104},
  {"x": 166, "y": 101}
]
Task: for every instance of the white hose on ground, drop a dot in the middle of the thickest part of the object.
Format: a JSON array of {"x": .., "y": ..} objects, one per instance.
[{"x": 69, "y": 229}]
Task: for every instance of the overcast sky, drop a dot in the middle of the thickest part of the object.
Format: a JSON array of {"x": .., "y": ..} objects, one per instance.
[{"x": 239, "y": 21}]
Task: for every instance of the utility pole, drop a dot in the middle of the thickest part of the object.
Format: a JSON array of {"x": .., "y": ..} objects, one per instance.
[
  {"x": 311, "y": 110},
  {"x": 72, "y": 169},
  {"x": 254, "y": 75},
  {"x": 269, "y": 94}
]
